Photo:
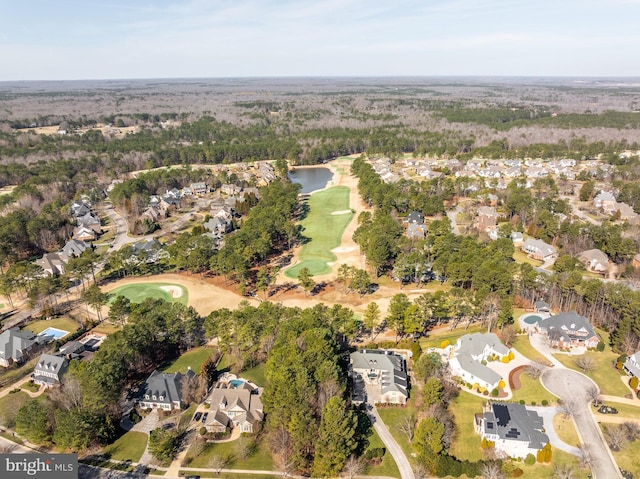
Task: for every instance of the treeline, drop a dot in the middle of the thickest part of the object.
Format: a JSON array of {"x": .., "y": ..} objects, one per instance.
[{"x": 86, "y": 410}]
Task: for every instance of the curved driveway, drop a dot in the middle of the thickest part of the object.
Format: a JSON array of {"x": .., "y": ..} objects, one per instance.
[
  {"x": 406, "y": 472},
  {"x": 571, "y": 386}
]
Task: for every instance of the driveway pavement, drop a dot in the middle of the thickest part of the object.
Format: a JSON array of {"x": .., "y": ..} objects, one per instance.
[
  {"x": 547, "y": 414},
  {"x": 406, "y": 472},
  {"x": 570, "y": 385}
]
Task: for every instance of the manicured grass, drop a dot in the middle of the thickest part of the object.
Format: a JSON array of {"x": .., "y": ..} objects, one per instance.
[
  {"x": 324, "y": 230},
  {"x": 128, "y": 447},
  {"x": 388, "y": 466},
  {"x": 606, "y": 376},
  {"x": 566, "y": 430},
  {"x": 435, "y": 338},
  {"x": 137, "y": 293},
  {"x": 11, "y": 375},
  {"x": 106, "y": 328},
  {"x": 193, "y": 358},
  {"x": 466, "y": 443},
  {"x": 524, "y": 347},
  {"x": 628, "y": 458},
  {"x": 65, "y": 324},
  {"x": 624, "y": 410},
  {"x": 532, "y": 390},
  {"x": 521, "y": 257},
  {"x": 256, "y": 375},
  {"x": 30, "y": 386},
  {"x": 9, "y": 406},
  {"x": 260, "y": 459},
  {"x": 392, "y": 416}
]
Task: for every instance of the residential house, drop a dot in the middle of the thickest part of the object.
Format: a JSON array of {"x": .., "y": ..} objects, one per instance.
[
  {"x": 199, "y": 188},
  {"x": 16, "y": 346},
  {"x": 230, "y": 189},
  {"x": 605, "y": 201},
  {"x": 514, "y": 430},
  {"x": 415, "y": 217},
  {"x": 594, "y": 260},
  {"x": 569, "y": 329},
  {"x": 147, "y": 251},
  {"x": 164, "y": 390},
  {"x": 74, "y": 247},
  {"x": 80, "y": 209},
  {"x": 486, "y": 219},
  {"x": 71, "y": 349},
  {"x": 235, "y": 408},
  {"x": 218, "y": 225},
  {"x": 632, "y": 365},
  {"x": 539, "y": 249},
  {"x": 84, "y": 233},
  {"x": 416, "y": 231},
  {"x": 625, "y": 212},
  {"x": 517, "y": 238},
  {"x": 151, "y": 213},
  {"x": 89, "y": 219},
  {"x": 49, "y": 370},
  {"x": 470, "y": 351},
  {"x": 541, "y": 307},
  {"x": 53, "y": 263},
  {"x": 383, "y": 370}
]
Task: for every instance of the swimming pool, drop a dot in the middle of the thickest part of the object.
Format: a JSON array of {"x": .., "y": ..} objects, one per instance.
[
  {"x": 532, "y": 319},
  {"x": 55, "y": 332},
  {"x": 236, "y": 383}
]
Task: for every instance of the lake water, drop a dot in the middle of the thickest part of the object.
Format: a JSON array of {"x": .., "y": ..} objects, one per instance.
[{"x": 311, "y": 179}]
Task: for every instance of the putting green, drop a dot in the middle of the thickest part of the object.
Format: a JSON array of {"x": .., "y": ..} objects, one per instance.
[
  {"x": 328, "y": 217},
  {"x": 138, "y": 292}
]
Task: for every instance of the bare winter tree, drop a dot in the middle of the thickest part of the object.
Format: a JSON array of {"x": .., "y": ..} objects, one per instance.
[
  {"x": 328, "y": 389},
  {"x": 420, "y": 472},
  {"x": 616, "y": 437},
  {"x": 491, "y": 470},
  {"x": 563, "y": 471},
  {"x": 568, "y": 408},
  {"x": 408, "y": 426},
  {"x": 632, "y": 430},
  {"x": 69, "y": 394},
  {"x": 217, "y": 463},
  {"x": 243, "y": 447},
  {"x": 593, "y": 394},
  {"x": 585, "y": 456},
  {"x": 353, "y": 467},
  {"x": 193, "y": 389},
  {"x": 585, "y": 363},
  {"x": 534, "y": 370}
]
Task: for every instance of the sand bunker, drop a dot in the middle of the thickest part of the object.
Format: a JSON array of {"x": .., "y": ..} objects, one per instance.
[
  {"x": 343, "y": 249},
  {"x": 341, "y": 212},
  {"x": 174, "y": 291}
]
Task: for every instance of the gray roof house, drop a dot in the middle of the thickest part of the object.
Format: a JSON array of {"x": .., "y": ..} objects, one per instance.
[
  {"x": 515, "y": 430},
  {"x": 569, "y": 329},
  {"x": 539, "y": 249},
  {"x": 53, "y": 263},
  {"x": 163, "y": 390},
  {"x": 416, "y": 231},
  {"x": 235, "y": 408},
  {"x": 15, "y": 345},
  {"x": 469, "y": 352},
  {"x": 49, "y": 370},
  {"x": 383, "y": 370},
  {"x": 415, "y": 217},
  {"x": 594, "y": 260},
  {"x": 632, "y": 365},
  {"x": 74, "y": 247},
  {"x": 541, "y": 306}
]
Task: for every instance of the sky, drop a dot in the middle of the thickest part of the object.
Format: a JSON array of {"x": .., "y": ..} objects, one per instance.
[{"x": 123, "y": 39}]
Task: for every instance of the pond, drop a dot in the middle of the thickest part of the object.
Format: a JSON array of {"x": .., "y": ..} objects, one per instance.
[{"x": 311, "y": 179}]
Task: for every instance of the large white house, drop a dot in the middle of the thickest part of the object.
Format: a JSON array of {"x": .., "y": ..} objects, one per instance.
[
  {"x": 470, "y": 351},
  {"x": 382, "y": 369},
  {"x": 164, "y": 390},
  {"x": 515, "y": 430}
]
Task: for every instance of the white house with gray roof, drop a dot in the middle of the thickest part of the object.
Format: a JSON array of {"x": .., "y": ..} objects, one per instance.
[
  {"x": 163, "y": 390},
  {"x": 15, "y": 346},
  {"x": 49, "y": 370},
  {"x": 382, "y": 369},
  {"x": 515, "y": 430},
  {"x": 470, "y": 351},
  {"x": 236, "y": 407},
  {"x": 632, "y": 365},
  {"x": 569, "y": 329},
  {"x": 539, "y": 249}
]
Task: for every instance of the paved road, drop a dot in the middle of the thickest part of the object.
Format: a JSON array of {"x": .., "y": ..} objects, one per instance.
[
  {"x": 122, "y": 238},
  {"x": 406, "y": 472},
  {"x": 570, "y": 385}
]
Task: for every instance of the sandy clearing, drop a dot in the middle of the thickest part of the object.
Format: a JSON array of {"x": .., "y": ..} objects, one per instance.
[
  {"x": 174, "y": 291},
  {"x": 341, "y": 212},
  {"x": 204, "y": 297},
  {"x": 343, "y": 249}
]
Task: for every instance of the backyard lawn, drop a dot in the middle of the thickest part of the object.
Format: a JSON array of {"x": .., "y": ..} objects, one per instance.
[
  {"x": 523, "y": 345},
  {"x": 566, "y": 430},
  {"x": 193, "y": 358},
  {"x": 64, "y": 324},
  {"x": 466, "y": 443},
  {"x": 628, "y": 458},
  {"x": 392, "y": 417},
  {"x": 324, "y": 228},
  {"x": 9, "y": 406},
  {"x": 128, "y": 447},
  {"x": 435, "y": 338},
  {"x": 521, "y": 257},
  {"x": 138, "y": 292},
  {"x": 256, "y": 375},
  {"x": 259, "y": 459}
]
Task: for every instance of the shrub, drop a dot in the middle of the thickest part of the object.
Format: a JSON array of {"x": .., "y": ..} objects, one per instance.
[
  {"x": 501, "y": 384},
  {"x": 600, "y": 346},
  {"x": 522, "y": 401},
  {"x": 483, "y": 362},
  {"x": 416, "y": 351},
  {"x": 207, "y": 405},
  {"x": 495, "y": 392},
  {"x": 445, "y": 343},
  {"x": 530, "y": 460},
  {"x": 505, "y": 359},
  {"x": 533, "y": 403},
  {"x": 135, "y": 416},
  {"x": 633, "y": 383},
  {"x": 545, "y": 402},
  {"x": 374, "y": 453},
  {"x": 619, "y": 365},
  {"x": 511, "y": 356},
  {"x": 202, "y": 431}
]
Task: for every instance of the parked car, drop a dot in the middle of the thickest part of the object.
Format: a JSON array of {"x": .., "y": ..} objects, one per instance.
[
  {"x": 204, "y": 417},
  {"x": 607, "y": 410},
  {"x": 197, "y": 416}
]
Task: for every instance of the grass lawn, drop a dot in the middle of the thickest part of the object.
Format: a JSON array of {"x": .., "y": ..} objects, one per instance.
[
  {"x": 532, "y": 390},
  {"x": 392, "y": 416},
  {"x": 324, "y": 230},
  {"x": 194, "y": 358},
  {"x": 466, "y": 443},
  {"x": 10, "y": 404},
  {"x": 11, "y": 375},
  {"x": 566, "y": 430},
  {"x": 30, "y": 386},
  {"x": 624, "y": 410},
  {"x": 435, "y": 338},
  {"x": 128, "y": 447},
  {"x": 628, "y": 458},
  {"x": 523, "y": 345},
  {"x": 106, "y": 328},
  {"x": 256, "y": 375},
  {"x": 606, "y": 376},
  {"x": 137, "y": 293},
  {"x": 388, "y": 466},
  {"x": 521, "y": 257},
  {"x": 65, "y": 324},
  {"x": 260, "y": 459}
]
